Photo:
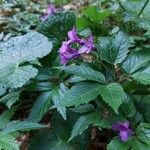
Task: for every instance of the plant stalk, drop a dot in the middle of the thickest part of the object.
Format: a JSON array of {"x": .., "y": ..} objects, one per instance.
[{"x": 143, "y": 8}]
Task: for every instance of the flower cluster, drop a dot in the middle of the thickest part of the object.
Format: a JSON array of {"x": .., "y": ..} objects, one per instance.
[
  {"x": 50, "y": 11},
  {"x": 123, "y": 129},
  {"x": 85, "y": 46}
]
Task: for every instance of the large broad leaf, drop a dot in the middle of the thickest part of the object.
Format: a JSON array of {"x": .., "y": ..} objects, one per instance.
[
  {"x": 80, "y": 94},
  {"x": 83, "y": 123},
  {"x": 135, "y": 61},
  {"x": 85, "y": 72},
  {"x": 15, "y": 52},
  {"x": 57, "y": 26},
  {"x": 8, "y": 142},
  {"x": 113, "y": 50},
  {"x": 40, "y": 107},
  {"x": 113, "y": 95}
]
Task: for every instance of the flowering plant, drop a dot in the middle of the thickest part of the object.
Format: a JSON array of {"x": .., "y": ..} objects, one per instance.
[{"x": 90, "y": 73}]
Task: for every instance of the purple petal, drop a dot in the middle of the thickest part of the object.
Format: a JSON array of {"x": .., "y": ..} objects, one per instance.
[
  {"x": 118, "y": 126},
  {"x": 83, "y": 49},
  {"x": 73, "y": 36},
  {"x": 124, "y": 135},
  {"x": 50, "y": 11},
  {"x": 64, "y": 47}
]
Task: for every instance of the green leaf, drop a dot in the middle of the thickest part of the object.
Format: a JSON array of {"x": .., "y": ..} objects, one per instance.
[
  {"x": 45, "y": 140},
  {"x": 17, "y": 51},
  {"x": 6, "y": 116},
  {"x": 10, "y": 98},
  {"x": 139, "y": 145},
  {"x": 57, "y": 26},
  {"x": 8, "y": 142},
  {"x": 113, "y": 95},
  {"x": 15, "y": 126},
  {"x": 95, "y": 15},
  {"x": 83, "y": 123},
  {"x": 117, "y": 144},
  {"x": 113, "y": 50},
  {"x": 143, "y": 133},
  {"x": 127, "y": 109},
  {"x": 80, "y": 94},
  {"x": 142, "y": 76},
  {"x": 135, "y": 61},
  {"x": 57, "y": 94},
  {"x": 40, "y": 107},
  {"x": 136, "y": 14},
  {"x": 84, "y": 72}
]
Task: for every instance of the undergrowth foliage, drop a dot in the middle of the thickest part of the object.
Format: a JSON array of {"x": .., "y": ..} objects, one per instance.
[{"x": 87, "y": 71}]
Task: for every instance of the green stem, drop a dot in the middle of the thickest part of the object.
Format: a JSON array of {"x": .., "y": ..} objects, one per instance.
[
  {"x": 121, "y": 5},
  {"x": 143, "y": 8}
]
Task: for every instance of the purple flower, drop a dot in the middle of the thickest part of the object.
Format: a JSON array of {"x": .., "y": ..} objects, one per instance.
[
  {"x": 123, "y": 129},
  {"x": 88, "y": 45},
  {"x": 50, "y": 11},
  {"x": 73, "y": 36},
  {"x": 67, "y": 53},
  {"x": 84, "y": 46}
]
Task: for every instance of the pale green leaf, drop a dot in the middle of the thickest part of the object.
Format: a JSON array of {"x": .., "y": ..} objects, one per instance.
[
  {"x": 113, "y": 95},
  {"x": 83, "y": 123},
  {"x": 136, "y": 61},
  {"x": 40, "y": 107},
  {"x": 8, "y": 142},
  {"x": 6, "y": 116},
  {"x": 80, "y": 94},
  {"x": 113, "y": 50},
  {"x": 142, "y": 76},
  {"x": 15, "y": 126},
  {"x": 17, "y": 51},
  {"x": 85, "y": 72}
]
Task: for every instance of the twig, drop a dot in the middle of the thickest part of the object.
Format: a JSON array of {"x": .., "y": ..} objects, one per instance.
[{"x": 143, "y": 8}]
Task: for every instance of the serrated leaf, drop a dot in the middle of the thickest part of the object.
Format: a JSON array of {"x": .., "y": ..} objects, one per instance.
[
  {"x": 142, "y": 76},
  {"x": 83, "y": 123},
  {"x": 57, "y": 26},
  {"x": 40, "y": 107},
  {"x": 135, "y": 61},
  {"x": 117, "y": 144},
  {"x": 17, "y": 51},
  {"x": 113, "y": 50},
  {"x": 8, "y": 142},
  {"x": 139, "y": 145},
  {"x": 57, "y": 94},
  {"x": 10, "y": 98},
  {"x": 136, "y": 13},
  {"x": 113, "y": 95},
  {"x": 80, "y": 94},
  {"x": 95, "y": 15},
  {"x": 15, "y": 126},
  {"x": 127, "y": 109},
  {"x": 85, "y": 72},
  {"x": 143, "y": 133},
  {"x": 6, "y": 116}
]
